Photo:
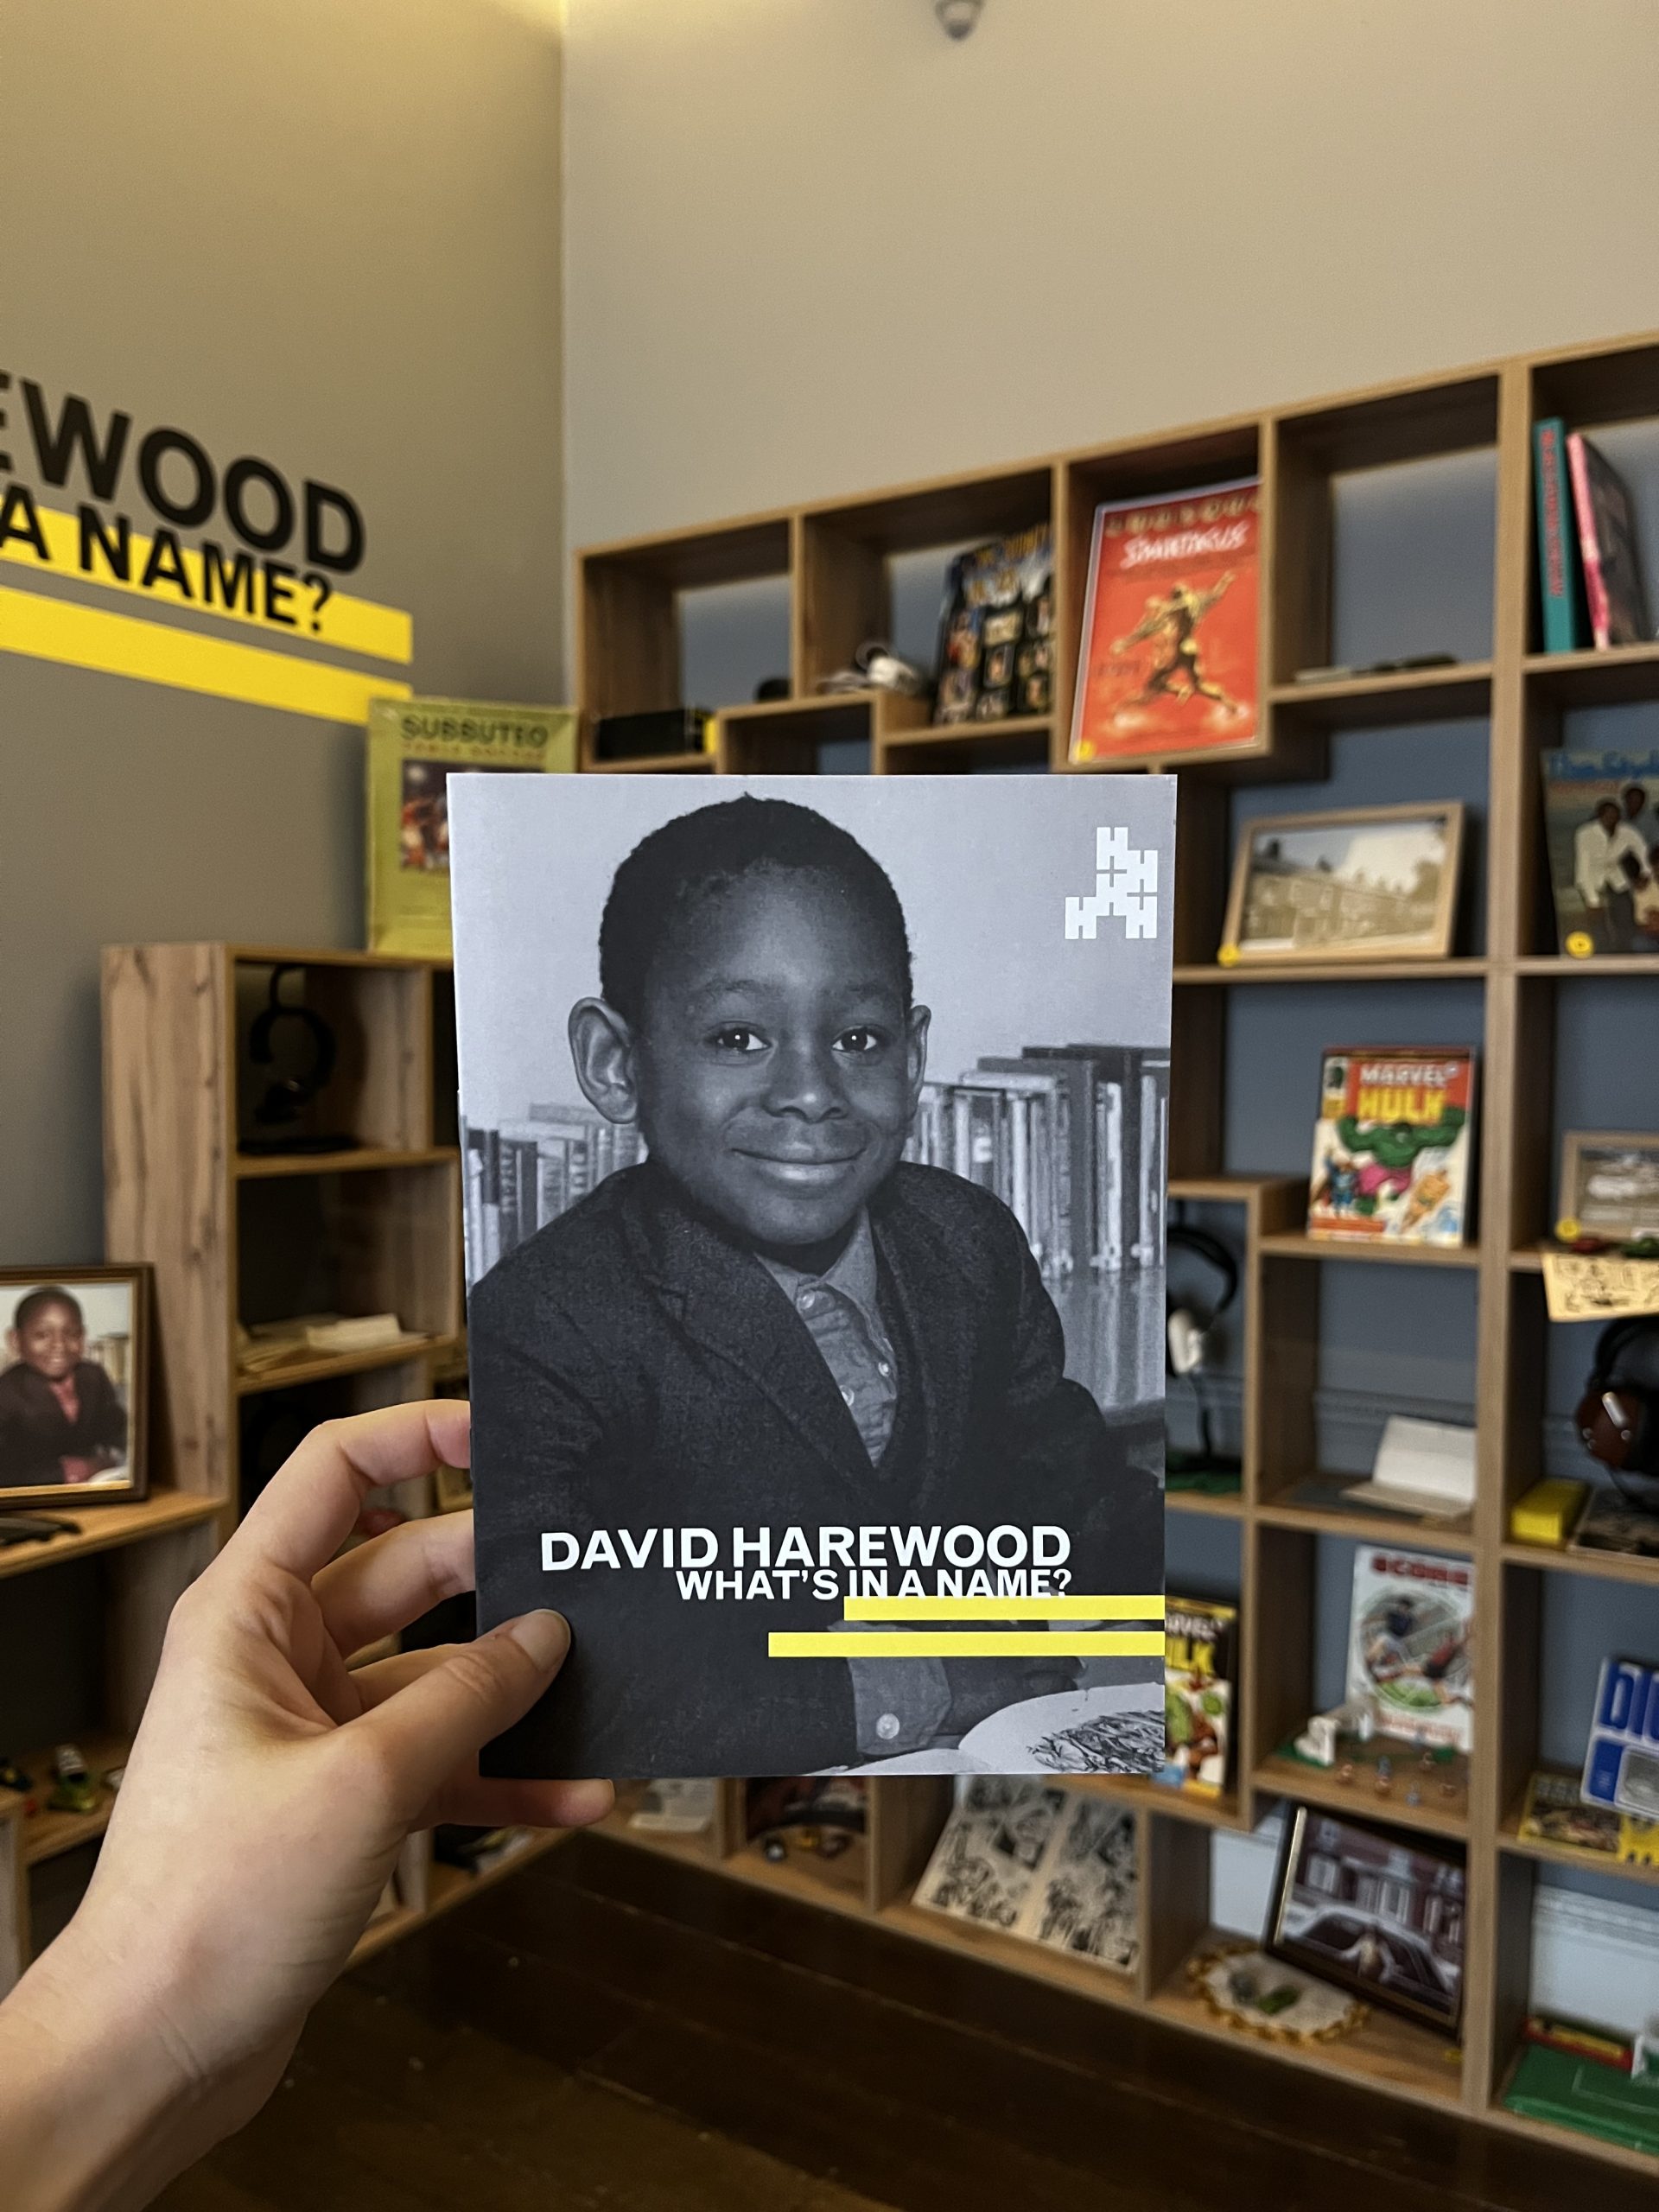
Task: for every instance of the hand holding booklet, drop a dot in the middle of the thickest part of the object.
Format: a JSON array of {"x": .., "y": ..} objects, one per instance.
[{"x": 815, "y": 1156}]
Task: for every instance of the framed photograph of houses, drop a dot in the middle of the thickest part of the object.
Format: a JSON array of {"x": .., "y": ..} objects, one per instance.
[
  {"x": 74, "y": 1360},
  {"x": 1374, "y": 1912},
  {"x": 1610, "y": 1185},
  {"x": 1363, "y": 883}
]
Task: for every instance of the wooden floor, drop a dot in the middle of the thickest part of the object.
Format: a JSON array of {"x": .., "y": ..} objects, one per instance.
[{"x": 611, "y": 2032}]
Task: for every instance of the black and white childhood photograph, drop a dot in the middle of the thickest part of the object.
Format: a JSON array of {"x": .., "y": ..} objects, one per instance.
[{"x": 814, "y": 1144}]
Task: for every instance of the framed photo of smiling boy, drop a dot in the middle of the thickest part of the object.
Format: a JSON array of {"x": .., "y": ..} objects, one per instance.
[
  {"x": 814, "y": 1165},
  {"x": 74, "y": 1355}
]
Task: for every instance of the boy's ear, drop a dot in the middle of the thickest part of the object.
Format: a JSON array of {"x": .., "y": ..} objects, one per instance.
[
  {"x": 602, "y": 1045},
  {"x": 916, "y": 1052}
]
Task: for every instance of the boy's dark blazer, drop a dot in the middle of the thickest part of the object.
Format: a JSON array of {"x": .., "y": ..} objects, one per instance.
[
  {"x": 36, "y": 1432},
  {"x": 634, "y": 1367}
]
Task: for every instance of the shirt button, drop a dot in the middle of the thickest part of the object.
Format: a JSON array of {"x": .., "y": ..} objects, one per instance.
[
  {"x": 887, "y": 1727},
  {"x": 881, "y": 1367},
  {"x": 847, "y": 1397},
  {"x": 808, "y": 1301}
]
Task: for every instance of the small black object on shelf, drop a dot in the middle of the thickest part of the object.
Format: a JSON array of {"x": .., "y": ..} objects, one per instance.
[
  {"x": 638, "y": 737},
  {"x": 301, "y": 1069},
  {"x": 33, "y": 1528}
]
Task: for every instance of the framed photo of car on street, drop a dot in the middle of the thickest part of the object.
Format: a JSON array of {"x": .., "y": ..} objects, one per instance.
[
  {"x": 1373, "y": 1912},
  {"x": 1610, "y": 1185}
]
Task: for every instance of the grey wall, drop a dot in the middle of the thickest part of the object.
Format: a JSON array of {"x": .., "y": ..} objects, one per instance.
[
  {"x": 816, "y": 248},
  {"x": 325, "y": 234}
]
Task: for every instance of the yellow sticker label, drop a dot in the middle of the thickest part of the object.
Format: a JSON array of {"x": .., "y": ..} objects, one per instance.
[
  {"x": 1228, "y": 956},
  {"x": 1581, "y": 945},
  {"x": 1566, "y": 1229}
]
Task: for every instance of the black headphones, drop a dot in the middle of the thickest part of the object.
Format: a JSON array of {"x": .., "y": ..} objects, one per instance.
[
  {"x": 1187, "y": 1327},
  {"x": 286, "y": 1097},
  {"x": 1618, "y": 1420}
]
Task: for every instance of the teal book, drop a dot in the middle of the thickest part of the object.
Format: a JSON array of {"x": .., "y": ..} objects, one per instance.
[{"x": 1560, "y": 588}]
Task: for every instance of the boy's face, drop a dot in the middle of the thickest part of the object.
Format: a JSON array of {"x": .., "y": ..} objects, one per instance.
[
  {"x": 52, "y": 1341},
  {"x": 776, "y": 1068}
]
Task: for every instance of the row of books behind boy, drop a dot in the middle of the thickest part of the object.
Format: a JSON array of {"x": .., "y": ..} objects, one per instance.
[{"x": 1073, "y": 1140}]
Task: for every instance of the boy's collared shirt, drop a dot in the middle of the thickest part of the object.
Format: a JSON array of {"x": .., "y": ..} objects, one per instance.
[{"x": 841, "y": 1311}]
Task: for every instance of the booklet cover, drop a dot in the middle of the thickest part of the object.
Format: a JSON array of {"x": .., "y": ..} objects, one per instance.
[{"x": 840, "y": 1449}]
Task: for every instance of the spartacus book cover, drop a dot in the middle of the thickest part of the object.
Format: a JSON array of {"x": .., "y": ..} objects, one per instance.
[{"x": 814, "y": 1142}]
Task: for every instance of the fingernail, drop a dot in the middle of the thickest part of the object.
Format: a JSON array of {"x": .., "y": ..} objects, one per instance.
[{"x": 545, "y": 1636}]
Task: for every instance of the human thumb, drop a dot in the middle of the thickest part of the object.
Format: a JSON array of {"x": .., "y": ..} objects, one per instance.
[{"x": 439, "y": 1721}]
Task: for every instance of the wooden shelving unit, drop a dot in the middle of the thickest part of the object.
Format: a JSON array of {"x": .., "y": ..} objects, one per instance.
[
  {"x": 371, "y": 1224},
  {"x": 834, "y": 559}
]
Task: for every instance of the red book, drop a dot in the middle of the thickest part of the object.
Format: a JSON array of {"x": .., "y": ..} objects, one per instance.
[
  {"x": 1612, "y": 576},
  {"x": 1169, "y": 631}
]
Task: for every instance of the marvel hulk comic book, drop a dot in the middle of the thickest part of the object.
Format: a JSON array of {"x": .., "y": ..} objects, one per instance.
[{"x": 1392, "y": 1145}]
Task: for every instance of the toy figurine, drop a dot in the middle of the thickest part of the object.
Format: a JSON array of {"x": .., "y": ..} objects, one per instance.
[
  {"x": 74, "y": 1790},
  {"x": 1318, "y": 1740}
]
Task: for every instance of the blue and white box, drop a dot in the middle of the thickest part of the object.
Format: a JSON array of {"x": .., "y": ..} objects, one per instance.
[{"x": 1621, "y": 1768}]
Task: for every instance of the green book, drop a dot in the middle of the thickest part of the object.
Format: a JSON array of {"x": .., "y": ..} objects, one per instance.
[{"x": 1597, "y": 2100}]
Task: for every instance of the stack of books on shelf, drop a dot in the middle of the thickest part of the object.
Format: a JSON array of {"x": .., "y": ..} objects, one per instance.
[
  {"x": 1072, "y": 1138},
  {"x": 524, "y": 1174}
]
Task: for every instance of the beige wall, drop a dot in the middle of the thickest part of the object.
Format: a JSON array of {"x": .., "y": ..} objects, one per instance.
[
  {"x": 321, "y": 231},
  {"x": 814, "y": 246}
]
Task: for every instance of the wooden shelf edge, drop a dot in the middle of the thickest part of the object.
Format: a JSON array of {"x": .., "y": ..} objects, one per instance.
[
  {"x": 1414, "y": 1530},
  {"x": 1223, "y": 1505},
  {"x": 107, "y": 1528},
  {"x": 1291, "y": 1244},
  {"x": 326, "y": 1367},
  {"x": 1460, "y": 692},
  {"x": 1561, "y": 964},
  {"x": 1277, "y": 1778},
  {"x": 651, "y": 764},
  {"x": 1456, "y": 970},
  {"x": 1603, "y": 1566},
  {"x": 813, "y": 702},
  {"x": 1231, "y": 1190},
  {"x": 253, "y": 1167},
  {"x": 1510, "y": 1840},
  {"x": 1169, "y": 1803},
  {"x": 924, "y": 734}
]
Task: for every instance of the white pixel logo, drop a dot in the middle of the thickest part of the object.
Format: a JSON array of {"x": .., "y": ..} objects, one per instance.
[{"x": 1126, "y": 885}]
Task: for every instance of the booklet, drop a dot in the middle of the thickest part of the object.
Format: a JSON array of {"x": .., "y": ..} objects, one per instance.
[{"x": 815, "y": 1144}]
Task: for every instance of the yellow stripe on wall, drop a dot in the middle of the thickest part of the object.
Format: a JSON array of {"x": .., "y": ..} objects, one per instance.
[
  {"x": 353, "y": 625},
  {"x": 1004, "y": 1609},
  {"x": 155, "y": 652},
  {"x": 967, "y": 1643}
]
